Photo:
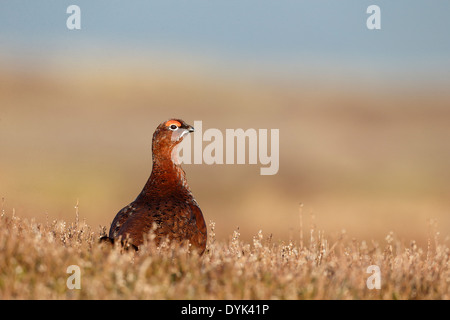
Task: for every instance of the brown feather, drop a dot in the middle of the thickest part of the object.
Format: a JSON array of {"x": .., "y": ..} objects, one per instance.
[{"x": 166, "y": 201}]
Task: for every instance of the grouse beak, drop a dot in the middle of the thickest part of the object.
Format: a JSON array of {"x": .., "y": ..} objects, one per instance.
[{"x": 184, "y": 132}]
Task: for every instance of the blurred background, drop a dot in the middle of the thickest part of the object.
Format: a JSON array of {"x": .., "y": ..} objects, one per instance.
[{"x": 364, "y": 115}]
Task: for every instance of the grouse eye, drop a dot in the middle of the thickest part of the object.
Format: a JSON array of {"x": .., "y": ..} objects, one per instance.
[{"x": 173, "y": 127}]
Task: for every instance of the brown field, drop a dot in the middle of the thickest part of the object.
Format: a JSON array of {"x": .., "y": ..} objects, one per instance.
[
  {"x": 35, "y": 258},
  {"x": 364, "y": 159}
]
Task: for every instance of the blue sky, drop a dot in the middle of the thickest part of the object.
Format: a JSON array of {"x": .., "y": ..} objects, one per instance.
[{"x": 414, "y": 34}]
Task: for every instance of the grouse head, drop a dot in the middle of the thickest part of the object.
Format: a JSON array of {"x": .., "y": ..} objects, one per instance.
[{"x": 167, "y": 136}]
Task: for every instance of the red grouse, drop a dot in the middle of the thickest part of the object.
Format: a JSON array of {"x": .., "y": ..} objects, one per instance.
[{"x": 166, "y": 205}]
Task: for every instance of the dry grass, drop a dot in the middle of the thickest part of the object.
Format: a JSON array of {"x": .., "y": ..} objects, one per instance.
[{"x": 34, "y": 258}]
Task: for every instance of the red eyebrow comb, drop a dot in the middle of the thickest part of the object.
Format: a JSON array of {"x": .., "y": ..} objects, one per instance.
[{"x": 171, "y": 122}]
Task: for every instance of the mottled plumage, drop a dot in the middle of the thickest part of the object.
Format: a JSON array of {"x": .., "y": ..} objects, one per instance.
[{"x": 166, "y": 205}]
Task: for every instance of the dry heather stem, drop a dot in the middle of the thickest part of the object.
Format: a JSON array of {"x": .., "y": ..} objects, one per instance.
[{"x": 34, "y": 258}]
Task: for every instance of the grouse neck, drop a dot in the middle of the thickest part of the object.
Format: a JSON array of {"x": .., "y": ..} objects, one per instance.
[
  {"x": 167, "y": 168},
  {"x": 166, "y": 177}
]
